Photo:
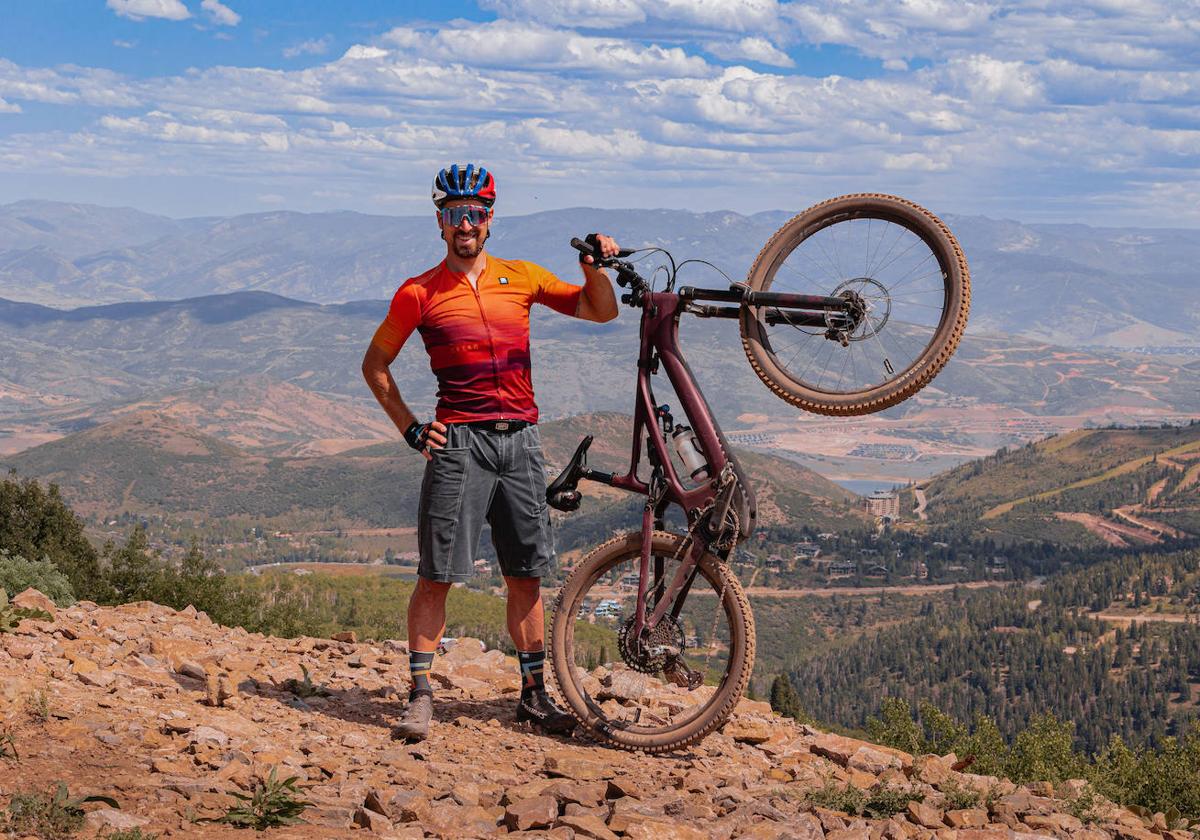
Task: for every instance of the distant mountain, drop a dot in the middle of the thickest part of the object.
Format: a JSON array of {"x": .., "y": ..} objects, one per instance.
[
  {"x": 1120, "y": 487},
  {"x": 1062, "y": 284}
]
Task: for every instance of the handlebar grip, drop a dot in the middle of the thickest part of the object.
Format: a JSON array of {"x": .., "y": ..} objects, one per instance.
[{"x": 583, "y": 247}]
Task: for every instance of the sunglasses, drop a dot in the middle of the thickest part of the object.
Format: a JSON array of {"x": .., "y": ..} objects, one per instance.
[{"x": 473, "y": 213}]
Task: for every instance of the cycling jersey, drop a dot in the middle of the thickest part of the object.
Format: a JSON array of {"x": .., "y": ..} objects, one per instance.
[{"x": 477, "y": 337}]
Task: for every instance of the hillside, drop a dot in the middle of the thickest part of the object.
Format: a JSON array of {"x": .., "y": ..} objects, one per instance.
[
  {"x": 156, "y": 465},
  {"x": 171, "y": 714},
  {"x": 235, "y": 356},
  {"x": 1119, "y": 487}
]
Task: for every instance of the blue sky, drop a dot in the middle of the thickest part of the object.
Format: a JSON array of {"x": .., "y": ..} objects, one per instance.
[{"x": 1075, "y": 110}]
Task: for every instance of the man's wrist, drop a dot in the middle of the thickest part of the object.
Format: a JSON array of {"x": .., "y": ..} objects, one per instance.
[{"x": 415, "y": 435}]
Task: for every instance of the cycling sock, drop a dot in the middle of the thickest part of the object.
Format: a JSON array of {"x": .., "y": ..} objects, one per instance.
[
  {"x": 419, "y": 665},
  {"x": 532, "y": 678}
]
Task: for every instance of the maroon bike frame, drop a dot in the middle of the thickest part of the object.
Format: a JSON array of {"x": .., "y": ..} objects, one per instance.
[{"x": 659, "y": 333}]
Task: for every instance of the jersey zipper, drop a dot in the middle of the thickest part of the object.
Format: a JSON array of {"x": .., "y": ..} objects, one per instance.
[{"x": 491, "y": 340}]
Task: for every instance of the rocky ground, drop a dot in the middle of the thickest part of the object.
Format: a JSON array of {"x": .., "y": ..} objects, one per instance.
[{"x": 169, "y": 714}]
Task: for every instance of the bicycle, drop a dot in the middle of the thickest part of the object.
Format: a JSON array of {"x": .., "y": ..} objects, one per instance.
[{"x": 866, "y": 274}]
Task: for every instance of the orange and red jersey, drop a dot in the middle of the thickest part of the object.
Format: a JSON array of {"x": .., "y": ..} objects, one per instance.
[{"x": 477, "y": 337}]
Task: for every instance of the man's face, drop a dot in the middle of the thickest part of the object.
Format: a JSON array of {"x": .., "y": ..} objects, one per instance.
[{"x": 465, "y": 240}]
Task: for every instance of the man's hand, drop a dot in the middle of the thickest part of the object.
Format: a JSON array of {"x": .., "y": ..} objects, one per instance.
[
  {"x": 426, "y": 436},
  {"x": 605, "y": 246}
]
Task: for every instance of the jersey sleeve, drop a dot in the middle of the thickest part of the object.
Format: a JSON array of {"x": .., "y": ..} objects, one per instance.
[
  {"x": 404, "y": 315},
  {"x": 550, "y": 291}
]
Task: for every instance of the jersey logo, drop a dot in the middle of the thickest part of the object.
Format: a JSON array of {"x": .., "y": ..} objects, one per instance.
[{"x": 503, "y": 281}]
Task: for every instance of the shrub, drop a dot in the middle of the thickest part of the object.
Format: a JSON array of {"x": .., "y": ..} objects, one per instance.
[
  {"x": 18, "y": 574},
  {"x": 49, "y": 816},
  {"x": 272, "y": 803}
]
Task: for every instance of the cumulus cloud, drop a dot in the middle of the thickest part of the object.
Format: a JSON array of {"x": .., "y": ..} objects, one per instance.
[
  {"x": 980, "y": 105},
  {"x": 220, "y": 14},
  {"x": 313, "y": 46},
  {"x": 719, "y": 15},
  {"x": 142, "y": 9},
  {"x": 751, "y": 49}
]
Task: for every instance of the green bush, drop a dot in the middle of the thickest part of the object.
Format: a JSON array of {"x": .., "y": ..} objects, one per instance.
[{"x": 18, "y": 574}]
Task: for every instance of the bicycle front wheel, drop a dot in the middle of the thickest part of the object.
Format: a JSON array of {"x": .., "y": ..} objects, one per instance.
[
  {"x": 665, "y": 692},
  {"x": 903, "y": 274}
]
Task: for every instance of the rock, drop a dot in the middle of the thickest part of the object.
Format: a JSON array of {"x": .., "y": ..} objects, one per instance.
[
  {"x": 931, "y": 769},
  {"x": 924, "y": 815},
  {"x": 372, "y": 821},
  {"x": 98, "y": 679},
  {"x": 111, "y": 818},
  {"x": 195, "y": 670},
  {"x": 207, "y": 735},
  {"x": 1050, "y": 823},
  {"x": 748, "y": 730},
  {"x": 967, "y": 818},
  {"x": 19, "y": 648},
  {"x": 588, "y": 826},
  {"x": 622, "y": 685},
  {"x": 577, "y": 767},
  {"x": 539, "y": 812},
  {"x": 871, "y": 760},
  {"x": 851, "y": 833},
  {"x": 347, "y": 636},
  {"x": 662, "y": 830},
  {"x": 32, "y": 599}
]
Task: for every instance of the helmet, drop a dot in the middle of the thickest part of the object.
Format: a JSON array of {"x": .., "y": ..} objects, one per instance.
[{"x": 464, "y": 181}]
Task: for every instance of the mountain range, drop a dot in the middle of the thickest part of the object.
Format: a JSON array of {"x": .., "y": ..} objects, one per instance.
[{"x": 1062, "y": 284}]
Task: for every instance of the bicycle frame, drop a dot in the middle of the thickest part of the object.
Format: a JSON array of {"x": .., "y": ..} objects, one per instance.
[{"x": 659, "y": 343}]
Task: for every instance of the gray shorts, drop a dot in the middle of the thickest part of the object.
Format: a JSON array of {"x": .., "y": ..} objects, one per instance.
[{"x": 483, "y": 475}]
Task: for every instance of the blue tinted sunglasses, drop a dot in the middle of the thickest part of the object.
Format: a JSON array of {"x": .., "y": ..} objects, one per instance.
[{"x": 473, "y": 213}]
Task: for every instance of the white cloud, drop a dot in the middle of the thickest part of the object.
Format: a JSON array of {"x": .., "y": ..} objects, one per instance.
[
  {"x": 220, "y": 14},
  {"x": 713, "y": 15},
  {"x": 125, "y": 45},
  {"x": 313, "y": 46},
  {"x": 983, "y": 105},
  {"x": 751, "y": 49},
  {"x": 142, "y": 9}
]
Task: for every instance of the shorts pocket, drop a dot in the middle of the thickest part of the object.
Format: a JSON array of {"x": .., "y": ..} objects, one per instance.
[{"x": 446, "y": 471}]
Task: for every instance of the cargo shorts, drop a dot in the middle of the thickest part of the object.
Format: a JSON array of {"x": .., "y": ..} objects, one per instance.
[{"x": 485, "y": 475}]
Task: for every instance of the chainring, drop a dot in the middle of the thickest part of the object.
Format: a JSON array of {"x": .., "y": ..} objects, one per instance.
[{"x": 641, "y": 655}]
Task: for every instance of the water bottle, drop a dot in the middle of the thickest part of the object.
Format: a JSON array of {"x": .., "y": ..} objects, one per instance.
[{"x": 689, "y": 452}]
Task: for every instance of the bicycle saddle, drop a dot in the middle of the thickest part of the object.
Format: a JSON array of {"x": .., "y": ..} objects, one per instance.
[{"x": 562, "y": 493}]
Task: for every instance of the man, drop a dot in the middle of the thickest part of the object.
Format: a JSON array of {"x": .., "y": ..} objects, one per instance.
[{"x": 483, "y": 450}]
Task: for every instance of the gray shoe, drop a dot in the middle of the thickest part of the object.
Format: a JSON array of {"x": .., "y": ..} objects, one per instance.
[{"x": 414, "y": 724}]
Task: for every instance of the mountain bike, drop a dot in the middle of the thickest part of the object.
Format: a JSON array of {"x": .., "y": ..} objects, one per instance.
[{"x": 852, "y": 306}]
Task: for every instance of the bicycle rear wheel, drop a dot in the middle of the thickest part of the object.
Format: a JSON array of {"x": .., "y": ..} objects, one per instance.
[
  {"x": 893, "y": 260},
  {"x": 622, "y": 693}
]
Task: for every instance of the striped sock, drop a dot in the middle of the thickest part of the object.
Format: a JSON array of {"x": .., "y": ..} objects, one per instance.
[
  {"x": 532, "y": 678},
  {"x": 419, "y": 665}
]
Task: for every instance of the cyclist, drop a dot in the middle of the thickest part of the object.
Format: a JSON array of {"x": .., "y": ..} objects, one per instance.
[{"x": 483, "y": 451}]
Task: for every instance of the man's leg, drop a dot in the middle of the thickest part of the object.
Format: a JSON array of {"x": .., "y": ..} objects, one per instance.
[
  {"x": 426, "y": 624},
  {"x": 524, "y": 545},
  {"x": 526, "y": 625},
  {"x": 426, "y": 621}
]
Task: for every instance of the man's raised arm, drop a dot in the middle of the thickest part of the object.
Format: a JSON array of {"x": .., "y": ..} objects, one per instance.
[{"x": 598, "y": 302}]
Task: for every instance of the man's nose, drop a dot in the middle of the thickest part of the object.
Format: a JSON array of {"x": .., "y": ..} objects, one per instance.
[{"x": 465, "y": 223}]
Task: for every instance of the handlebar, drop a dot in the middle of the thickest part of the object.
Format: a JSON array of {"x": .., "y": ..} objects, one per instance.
[{"x": 586, "y": 249}]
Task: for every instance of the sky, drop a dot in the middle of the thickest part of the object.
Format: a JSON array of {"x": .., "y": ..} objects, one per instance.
[{"x": 1036, "y": 110}]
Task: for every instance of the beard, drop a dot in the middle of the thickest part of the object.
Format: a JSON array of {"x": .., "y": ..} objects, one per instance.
[{"x": 467, "y": 248}]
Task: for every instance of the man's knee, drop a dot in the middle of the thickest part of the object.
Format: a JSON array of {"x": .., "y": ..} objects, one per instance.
[
  {"x": 431, "y": 590},
  {"x": 528, "y": 587}
]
